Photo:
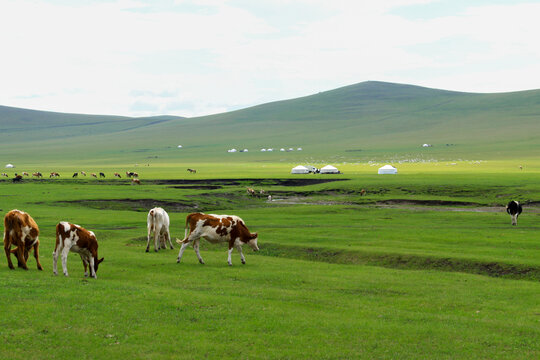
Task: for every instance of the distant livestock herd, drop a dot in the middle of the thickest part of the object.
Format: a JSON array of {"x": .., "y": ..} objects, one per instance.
[
  {"x": 129, "y": 174},
  {"x": 22, "y": 233}
]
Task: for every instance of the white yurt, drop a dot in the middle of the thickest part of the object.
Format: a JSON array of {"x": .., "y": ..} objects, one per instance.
[
  {"x": 329, "y": 169},
  {"x": 10, "y": 166},
  {"x": 300, "y": 170},
  {"x": 179, "y": 146},
  {"x": 232, "y": 150},
  {"x": 387, "y": 169},
  {"x": 263, "y": 149}
]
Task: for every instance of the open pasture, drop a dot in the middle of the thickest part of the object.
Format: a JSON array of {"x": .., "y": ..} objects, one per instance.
[{"x": 426, "y": 265}]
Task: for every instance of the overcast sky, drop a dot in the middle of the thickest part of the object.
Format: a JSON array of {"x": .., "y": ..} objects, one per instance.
[{"x": 199, "y": 57}]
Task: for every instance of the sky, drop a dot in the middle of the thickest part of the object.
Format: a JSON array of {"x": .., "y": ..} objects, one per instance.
[{"x": 200, "y": 57}]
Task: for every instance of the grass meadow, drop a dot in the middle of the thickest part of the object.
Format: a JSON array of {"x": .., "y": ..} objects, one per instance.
[{"x": 425, "y": 266}]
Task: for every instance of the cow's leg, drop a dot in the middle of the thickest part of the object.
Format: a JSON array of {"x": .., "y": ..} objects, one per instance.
[
  {"x": 7, "y": 248},
  {"x": 239, "y": 248},
  {"x": 20, "y": 256},
  {"x": 36, "y": 255},
  {"x": 229, "y": 257},
  {"x": 65, "y": 252},
  {"x": 148, "y": 239},
  {"x": 514, "y": 219},
  {"x": 92, "y": 268},
  {"x": 156, "y": 239},
  {"x": 181, "y": 252},
  {"x": 85, "y": 264},
  {"x": 55, "y": 259},
  {"x": 196, "y": 248}
]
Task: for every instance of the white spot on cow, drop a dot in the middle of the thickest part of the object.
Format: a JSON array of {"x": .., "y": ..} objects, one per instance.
[{"x": 66, "y": 226}]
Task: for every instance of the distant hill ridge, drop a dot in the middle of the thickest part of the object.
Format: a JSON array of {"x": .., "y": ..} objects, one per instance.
[{"x": 374, "y": 116}]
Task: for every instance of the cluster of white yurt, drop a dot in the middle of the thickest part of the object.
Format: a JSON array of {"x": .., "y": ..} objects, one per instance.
[
  {"x": 10, "y": 166},
  {"x": 387, "y": 169},
  {"x": 328, "y": 169}
]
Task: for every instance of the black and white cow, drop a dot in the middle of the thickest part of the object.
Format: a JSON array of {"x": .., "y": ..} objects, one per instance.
[{"x": 514, "y": 209}]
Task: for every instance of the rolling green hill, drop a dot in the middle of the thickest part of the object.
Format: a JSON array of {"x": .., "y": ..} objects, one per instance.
[{"x": 358, "y": 122}]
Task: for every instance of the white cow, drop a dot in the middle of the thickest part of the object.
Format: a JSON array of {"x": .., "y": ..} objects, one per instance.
[{"x": 158, "y": 223}]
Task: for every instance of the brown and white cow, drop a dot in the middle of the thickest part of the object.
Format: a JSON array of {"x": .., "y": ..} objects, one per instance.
[
  {"x": 21, "y": 231},
  {"x": 135, "y": 182},
  {"x": 37, "y": 174},
  {"x": 54, "y": 174},
  {"x": 216, "y": 229},
  {"x": 117, "y": 175},
  {"x": 4, "y": 174},
  {"x": 158, "y": 223},
  {"x": 71, "y": 237}
]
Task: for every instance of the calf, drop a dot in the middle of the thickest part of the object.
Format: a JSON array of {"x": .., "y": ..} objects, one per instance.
[
  {"x": 71, "y": 237},
  {"x": 158, "y": 223},
  {"x": 514, "y": 209},
  {"x": 21, "y": 231},
  {"x": 215, "y": 229}
]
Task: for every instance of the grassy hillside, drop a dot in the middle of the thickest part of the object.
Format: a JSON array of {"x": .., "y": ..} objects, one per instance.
[{"x": 360, "y": 122}]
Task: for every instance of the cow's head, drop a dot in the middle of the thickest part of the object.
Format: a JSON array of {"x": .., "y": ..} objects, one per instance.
[
  {"x": 96, "y": 263},
  {"x": 253, "y": 241}
]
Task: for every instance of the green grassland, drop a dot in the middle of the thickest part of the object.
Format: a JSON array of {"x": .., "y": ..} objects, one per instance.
[{"x": 339, "y": 275}]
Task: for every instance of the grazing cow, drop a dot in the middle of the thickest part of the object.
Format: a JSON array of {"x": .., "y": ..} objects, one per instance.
[
  {"x": 17, "y": 178},
  {"x": 250, "y": 191},
  {"x": 514, "y": 209},
  {"x": 75, "y": 175},
  {"x": 158, "y": 223},
  {"x": 101, "y": 175},
  {"x": 135, "y": 182},
  {"x": 71, "y": 237},
  {"x": 270, "y": 198},
  {"x": 94, "y": 175},
  {"x": 54, "y": 174},
  {"x": 215, "y": 229},
  {"x": 25, "y": 173},
  {"x": 21, "y": 231},
  {"x": 362, "y": 192},
  {"x": 262, "y": 192},
  {"x": 37, "y": 174},
  {"x": 117, "y": 175},
  {"x": 192, "y": 171},
  {"x": 83, "y": 173},
  {"x": 4, "y": 174},
  {"x": 131, "y": 174}
]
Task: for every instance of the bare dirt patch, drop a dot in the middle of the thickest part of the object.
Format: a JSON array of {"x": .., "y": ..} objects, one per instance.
[{"x": 139, "y": 205}]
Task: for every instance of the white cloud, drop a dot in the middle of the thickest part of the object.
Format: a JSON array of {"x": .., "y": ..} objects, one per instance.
[{"x": 120, "y": 57}]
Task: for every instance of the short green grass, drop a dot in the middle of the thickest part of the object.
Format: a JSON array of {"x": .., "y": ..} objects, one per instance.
[{"x": 339, "y": 275}]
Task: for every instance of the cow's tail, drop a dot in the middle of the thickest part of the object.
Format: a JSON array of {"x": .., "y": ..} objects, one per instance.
[
  {"x": 153, "y": 216},
  {"x": 185, "y": 233},
  {"x": 11, "y": 224}
]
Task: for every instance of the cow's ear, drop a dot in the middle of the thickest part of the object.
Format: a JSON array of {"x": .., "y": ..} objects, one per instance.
[
  {"x": 255, "y": 235},
  {"x": 100, "y": 260}
]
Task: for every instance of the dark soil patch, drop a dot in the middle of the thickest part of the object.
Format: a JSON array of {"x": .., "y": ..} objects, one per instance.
[
  {"x": 426, "y": 202},
  {"x": 140, "y": 205},
  {"x": 236, "y": 182},
  {"x": 198, "y": 187},
  {"x": 398, "y": 261}
]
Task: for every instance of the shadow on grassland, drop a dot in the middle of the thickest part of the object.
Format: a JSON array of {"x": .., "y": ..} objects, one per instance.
[{"x": 399, "y": 261}]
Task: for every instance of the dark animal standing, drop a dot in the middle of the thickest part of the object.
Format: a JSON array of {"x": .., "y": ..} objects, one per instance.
[
  {"x": 192, "y": 171},
  {"x": 17, "y": 178},
  {"x": 514, "y": 209},
  {"x": 21, "y": 231},
  {"x": 75, "y": 174},
  {"x": 101, "y": 175}
]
